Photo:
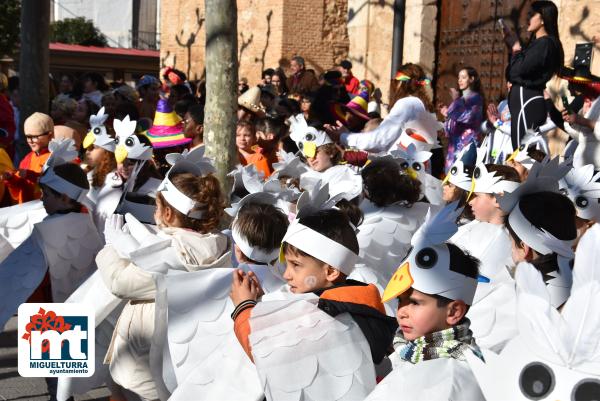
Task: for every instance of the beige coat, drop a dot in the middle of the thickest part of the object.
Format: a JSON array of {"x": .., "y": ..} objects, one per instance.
[{"x": 129, "y": 353}]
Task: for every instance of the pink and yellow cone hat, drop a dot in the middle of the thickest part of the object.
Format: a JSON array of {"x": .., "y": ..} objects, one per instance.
[{"x": 167, "y": 130}]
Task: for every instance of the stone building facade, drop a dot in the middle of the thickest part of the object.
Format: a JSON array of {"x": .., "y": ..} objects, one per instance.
[{"x": 325, "y": 32}]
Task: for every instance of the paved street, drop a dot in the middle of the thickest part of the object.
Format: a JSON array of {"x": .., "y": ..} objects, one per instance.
[{"x": 15, "y": 387}]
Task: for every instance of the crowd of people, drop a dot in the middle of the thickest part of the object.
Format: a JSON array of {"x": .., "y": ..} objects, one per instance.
[{"x": 365, "y": 251}]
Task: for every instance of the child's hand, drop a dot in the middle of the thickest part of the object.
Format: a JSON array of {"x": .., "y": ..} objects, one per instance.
[
  {"x": 244, "y": 287},
  {"x": 335, "y": 131},
  {"x": 492, "y": 113}
]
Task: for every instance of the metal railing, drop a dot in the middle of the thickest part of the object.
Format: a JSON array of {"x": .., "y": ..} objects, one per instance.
[{"x": 144, "y": 40}]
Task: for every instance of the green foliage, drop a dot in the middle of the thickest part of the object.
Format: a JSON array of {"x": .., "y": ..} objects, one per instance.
[
  {"x": 77, "y": 31},
  {"x": 10, "y": 21}
]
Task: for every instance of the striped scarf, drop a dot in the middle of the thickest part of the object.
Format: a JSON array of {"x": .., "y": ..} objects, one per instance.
[{"x": 449, "y": 343}]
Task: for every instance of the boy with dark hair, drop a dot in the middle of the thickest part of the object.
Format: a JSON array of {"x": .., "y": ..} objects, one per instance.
[
  {"x": 257, "y": 232},
  {"x": 545, "y": 256},
  {"x": 268, "y": 133},
  {"x": 541, "y": 224},
  {"x": 435, "y": 286},
  {"x": 193, "y": 123},
  {"x": 330, "y": 330}
]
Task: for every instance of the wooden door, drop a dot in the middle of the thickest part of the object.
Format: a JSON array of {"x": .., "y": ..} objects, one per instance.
[{"x": 468, "y": 35}]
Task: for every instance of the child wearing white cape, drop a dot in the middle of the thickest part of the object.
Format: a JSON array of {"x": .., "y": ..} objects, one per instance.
[
  {"x": 62, "y": 245},
  {"x": 323, "y": 339},
  {"x": 392, "y": 214},
  {"x": 189, "y": 207},
  {"x": 556, "y": 354},
  {"x": 492, "y": 313},
  {"x": 435, "y": 286}
]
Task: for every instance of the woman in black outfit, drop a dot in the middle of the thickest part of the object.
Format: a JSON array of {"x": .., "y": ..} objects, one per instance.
[{"x": 530, "y": 68}]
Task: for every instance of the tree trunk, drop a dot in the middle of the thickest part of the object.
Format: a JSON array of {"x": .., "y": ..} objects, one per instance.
[
  {"x": 221, "y": 86},
  {"x": 34, "y": 59}
]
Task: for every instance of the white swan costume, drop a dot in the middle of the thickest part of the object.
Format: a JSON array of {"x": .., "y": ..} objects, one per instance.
[
  {"x": 301, "y": 352},
  {"x": 63, "y": 244},
  {"x": 556, "y": 355},
  {"x": 426, "y": 269},
  {"x": 107, "y": 196},
  {"x": 492, "y": 314},
  {"x": 341, "y": 178},
  {"x": 542, "y": 177}
]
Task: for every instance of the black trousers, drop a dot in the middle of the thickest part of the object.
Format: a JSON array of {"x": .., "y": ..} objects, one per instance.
[{"x": 527, "y": 111}]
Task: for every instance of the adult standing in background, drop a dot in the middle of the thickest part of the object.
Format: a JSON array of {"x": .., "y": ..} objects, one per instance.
[
  {"x": 351, "y": 83},
  {"x": 530, "y": 68},
  {"x": 302, "y": 81},
  {"x": 464, "y": 115}
]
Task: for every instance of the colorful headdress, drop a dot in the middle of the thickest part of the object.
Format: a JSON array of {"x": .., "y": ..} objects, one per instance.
[
  {"x": 400, "y": 76},
  {"x": 167, "y": 130},
  {"x": 427, "y": 267},
  {"x": 367, "y": 86},
  {"x": 192, "y": 162},
  {"x": 461, "y": 171},
  {"x": 128, "y": 145},
  {"x": 359, "y": 106},
  {"x": 98, "y": 135},
  {"x": 308, "y": 139},
  {"x": 582, "y": 186},
  {"x": 62, "y": 151}
]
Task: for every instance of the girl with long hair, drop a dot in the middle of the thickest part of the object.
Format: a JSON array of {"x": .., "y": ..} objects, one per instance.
[
  {"x": 464, "y": 115},
  {"x": 530, "y": 68},
  {"x": 408, "y": 99}
]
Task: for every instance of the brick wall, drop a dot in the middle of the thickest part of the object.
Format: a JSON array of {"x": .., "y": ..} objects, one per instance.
[{"x": 270, "y": 32}]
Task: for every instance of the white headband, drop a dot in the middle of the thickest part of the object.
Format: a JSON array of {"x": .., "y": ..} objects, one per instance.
[
  {"x": 63, "y": 186},
  {"x": 179, "y": 200},
  {"x": 320, "y": 247},
  {"x": 540, "y": 240},
  {"x": 252, "y": 252}
]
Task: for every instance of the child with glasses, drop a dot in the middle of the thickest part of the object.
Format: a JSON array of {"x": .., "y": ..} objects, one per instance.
[{"x": 23, "y": 183}]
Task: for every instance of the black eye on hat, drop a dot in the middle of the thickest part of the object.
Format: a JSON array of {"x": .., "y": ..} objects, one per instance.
[
  {"x": 586, "y": 390},
  {"x": 522, "y": 147},
  {"x": 97, "y": 130},
  {"x": 582, "y": 202},
  {"x": 468, "y": 170},
  {"x": 309, "y": 137},
  {"x": 536, "y": 381},
  {"x": 477, "y": 173},
  {"x": 417, "y": 166},
  {"x": 116, "y": 140},
  {"x": 404, "y": 165},
  {"x": 454, "y": 170},
  {"x": 426, "y": 258},
  {"x": 129, "y": 142}
]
